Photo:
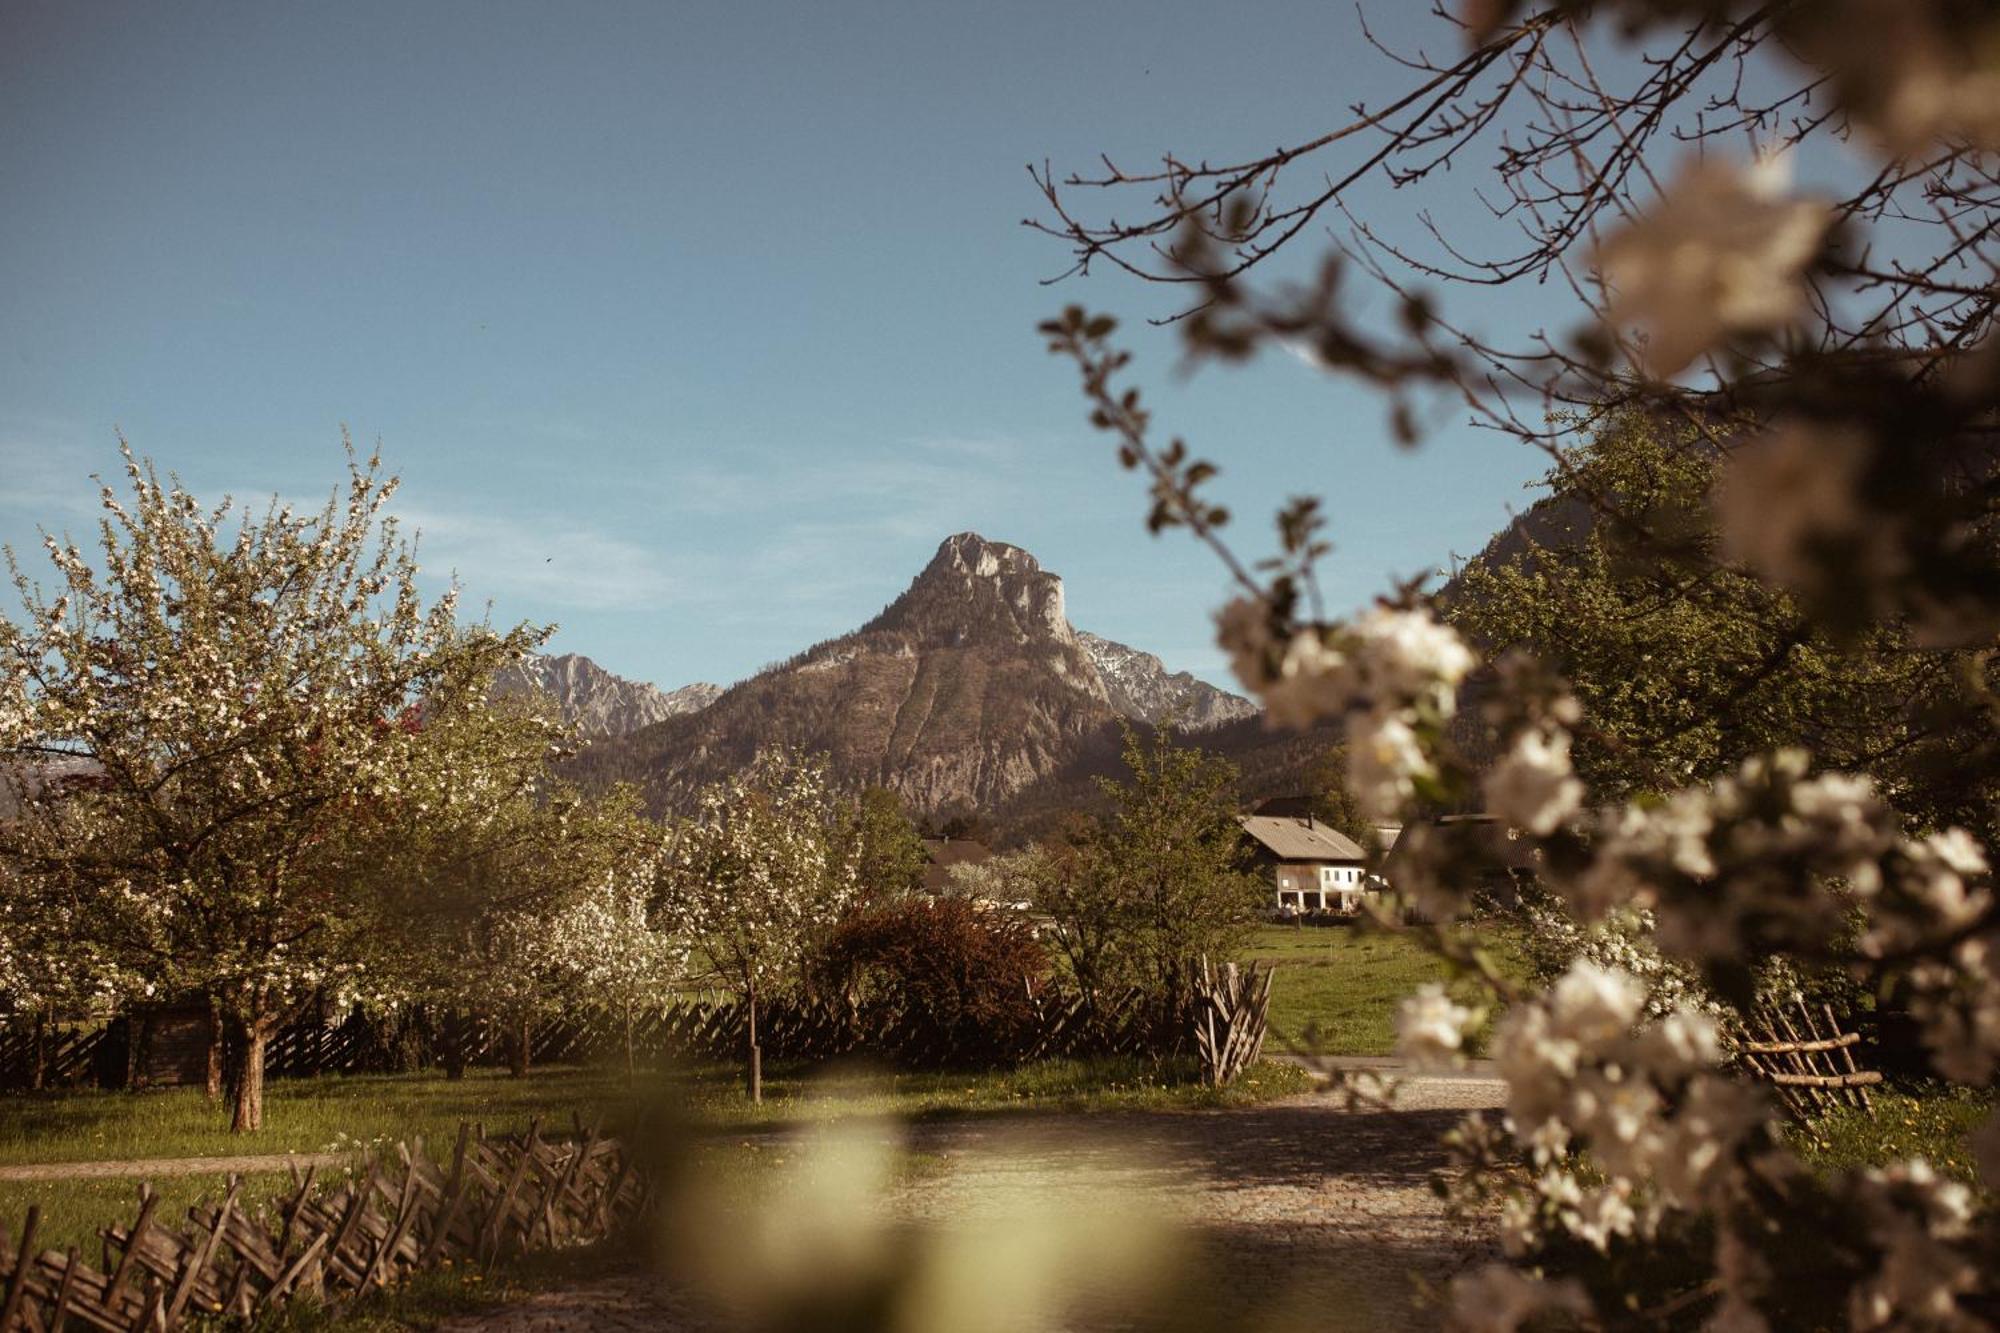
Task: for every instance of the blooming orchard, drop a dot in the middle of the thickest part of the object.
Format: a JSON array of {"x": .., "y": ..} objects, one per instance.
[{"x": 226, "y": 718}]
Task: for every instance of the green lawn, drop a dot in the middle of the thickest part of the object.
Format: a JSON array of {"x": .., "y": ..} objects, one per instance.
[
  {"x": 1337, "y": 986},
  {"x": 1932, "y": 1123},
  {"x": 334, "y": 1113},
  {"x": 304, "y": 1115}
]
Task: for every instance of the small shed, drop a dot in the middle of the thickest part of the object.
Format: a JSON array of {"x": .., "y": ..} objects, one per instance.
[{"x": 1313, "y": 868}]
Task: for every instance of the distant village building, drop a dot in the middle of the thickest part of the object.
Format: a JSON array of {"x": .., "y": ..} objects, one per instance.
[{"x": 1313, "y": 868}]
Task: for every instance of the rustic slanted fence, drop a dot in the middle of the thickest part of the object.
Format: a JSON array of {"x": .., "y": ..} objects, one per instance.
[
  {"x": 1811, "y": 1072},
  {"x": 1057, "y": 1024},
  {"x": 1232, "y": 1014},
  {"x": 495, "y": 1198}
]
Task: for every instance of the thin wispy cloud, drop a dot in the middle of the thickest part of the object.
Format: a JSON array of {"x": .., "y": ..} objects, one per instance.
[
  {"x": 549, "y": 560},
  {"x": 982, "y": 448},
  {"x": 48, "y": 465}
]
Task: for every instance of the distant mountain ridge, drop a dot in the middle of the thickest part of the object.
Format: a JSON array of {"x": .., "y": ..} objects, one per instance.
[
  {"x": 1140, "y": 686},
  {"x": 968, "y": 688},
  {"x": 596, "y": 702}
]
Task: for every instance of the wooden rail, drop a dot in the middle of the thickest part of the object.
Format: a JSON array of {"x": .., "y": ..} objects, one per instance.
[{"x": 1802, "y": 1067}]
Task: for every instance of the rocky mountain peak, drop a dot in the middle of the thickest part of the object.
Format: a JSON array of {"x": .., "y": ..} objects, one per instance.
[
  {"x": 1139, "y": 685},
  {"x": 975, "y": 588},
  {"x": 971, "y": 555}
]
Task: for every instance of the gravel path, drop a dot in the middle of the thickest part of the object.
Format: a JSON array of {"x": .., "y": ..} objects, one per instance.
[
  {"x": 172, "y": 1166},
  {"x": 1301, "y": 1206}
]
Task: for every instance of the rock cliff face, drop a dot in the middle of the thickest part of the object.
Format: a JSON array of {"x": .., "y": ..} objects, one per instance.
[
  {"x": 967, "y": 688},
  {"x": 594, "y": 700},
  {"x": 1140, "y": 686}
]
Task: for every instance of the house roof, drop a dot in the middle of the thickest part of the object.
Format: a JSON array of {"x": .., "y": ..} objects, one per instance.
[
  {"x": 944, "y": 853},
  {"x": 1291, "y": 839}
]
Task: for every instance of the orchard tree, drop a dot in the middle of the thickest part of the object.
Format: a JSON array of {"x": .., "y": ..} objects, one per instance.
[
  {"x": 1171, "y": 859},
  {"x": 628, "y": 950},
  {"x": 510, "y": 899},
  {"x": 1138, "y": 897},
  {"x": 53, "y": 964},
  {"x": 1826, "y": 353},
  {"x": 1069, "y": 881},
  {"x": 244, "y": 694},
  {"x": 889, "y": 856},
  {"x": 759, "y": 877}
]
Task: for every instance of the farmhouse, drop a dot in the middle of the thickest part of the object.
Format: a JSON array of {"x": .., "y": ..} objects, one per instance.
[{"x": 1313, "y": 868}]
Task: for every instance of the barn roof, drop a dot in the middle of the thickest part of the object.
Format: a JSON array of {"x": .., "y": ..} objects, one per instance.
[{"x": 1291, "y": 839}]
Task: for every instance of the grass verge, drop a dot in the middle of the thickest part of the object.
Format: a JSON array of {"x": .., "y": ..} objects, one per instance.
[
  {"x": 1337, "y": 986},
  {"x": 1929, "y": 1122}
]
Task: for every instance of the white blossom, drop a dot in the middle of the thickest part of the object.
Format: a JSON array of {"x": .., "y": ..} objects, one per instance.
[
  {"x": 1499, "y": 1299},
  {"x": 1914, "y": 1215},
  {"x": 1431, "y": 1028},
  {"x": 1532, "y": 787},
  {"x": 1724, "y": 252}
]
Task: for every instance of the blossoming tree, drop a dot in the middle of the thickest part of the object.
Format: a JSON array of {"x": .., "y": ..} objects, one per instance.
[
  {"x": 759, "y": 876},
  {"x": 246, "y": 698}
]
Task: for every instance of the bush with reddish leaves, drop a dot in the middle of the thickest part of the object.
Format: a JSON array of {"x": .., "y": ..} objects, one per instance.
[{"x": 961, "y": 974}]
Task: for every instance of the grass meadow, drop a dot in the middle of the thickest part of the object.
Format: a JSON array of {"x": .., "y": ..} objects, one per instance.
[{"x": 1337, "y": 986}]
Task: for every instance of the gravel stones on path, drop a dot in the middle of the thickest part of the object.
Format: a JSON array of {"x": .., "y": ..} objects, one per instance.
[{"x": 1303, "y": 1212}]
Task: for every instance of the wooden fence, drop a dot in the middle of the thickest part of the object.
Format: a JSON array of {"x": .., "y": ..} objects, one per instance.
[
  {"x": 1803, "y": 1068},
  {"x": 67, "y": 1055},
  {"x": 1047, "y": 1024},
  {"x": 1232, "y": 1014},
  {"x": 496, "y": 1197}
]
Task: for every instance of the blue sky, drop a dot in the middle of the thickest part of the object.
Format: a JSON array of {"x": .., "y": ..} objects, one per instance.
[{"x": 691, "y": 327}]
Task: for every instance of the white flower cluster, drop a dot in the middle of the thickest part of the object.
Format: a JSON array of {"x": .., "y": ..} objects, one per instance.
[
  {"x": 1917, "y": 1218},
  {"x": 1724, "y": 253},
  {"x": 1743, "y": 860},
  {"x": 1958, "y": 1002},
  {"x": 1431, "y": 1028},
  {"x": 1533, "y": 787},
  {"x": 1622, "y": 941},
  {"x": 1658, "y": 1124},
  {"x": 1392, "y": 673}
]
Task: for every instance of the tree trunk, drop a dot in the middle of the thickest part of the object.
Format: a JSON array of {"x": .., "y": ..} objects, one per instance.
[
  {"x": 249, "y": 1081},
  {"x": 213, "y": 1085},
  {"x": 631, "y": 1066},
  {"x": 756, "y": 1053},
  {"x": 38, "y": 1053},
  {"x": 519, "y": 1047},
  {"x": 455, "y": 1039}
]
